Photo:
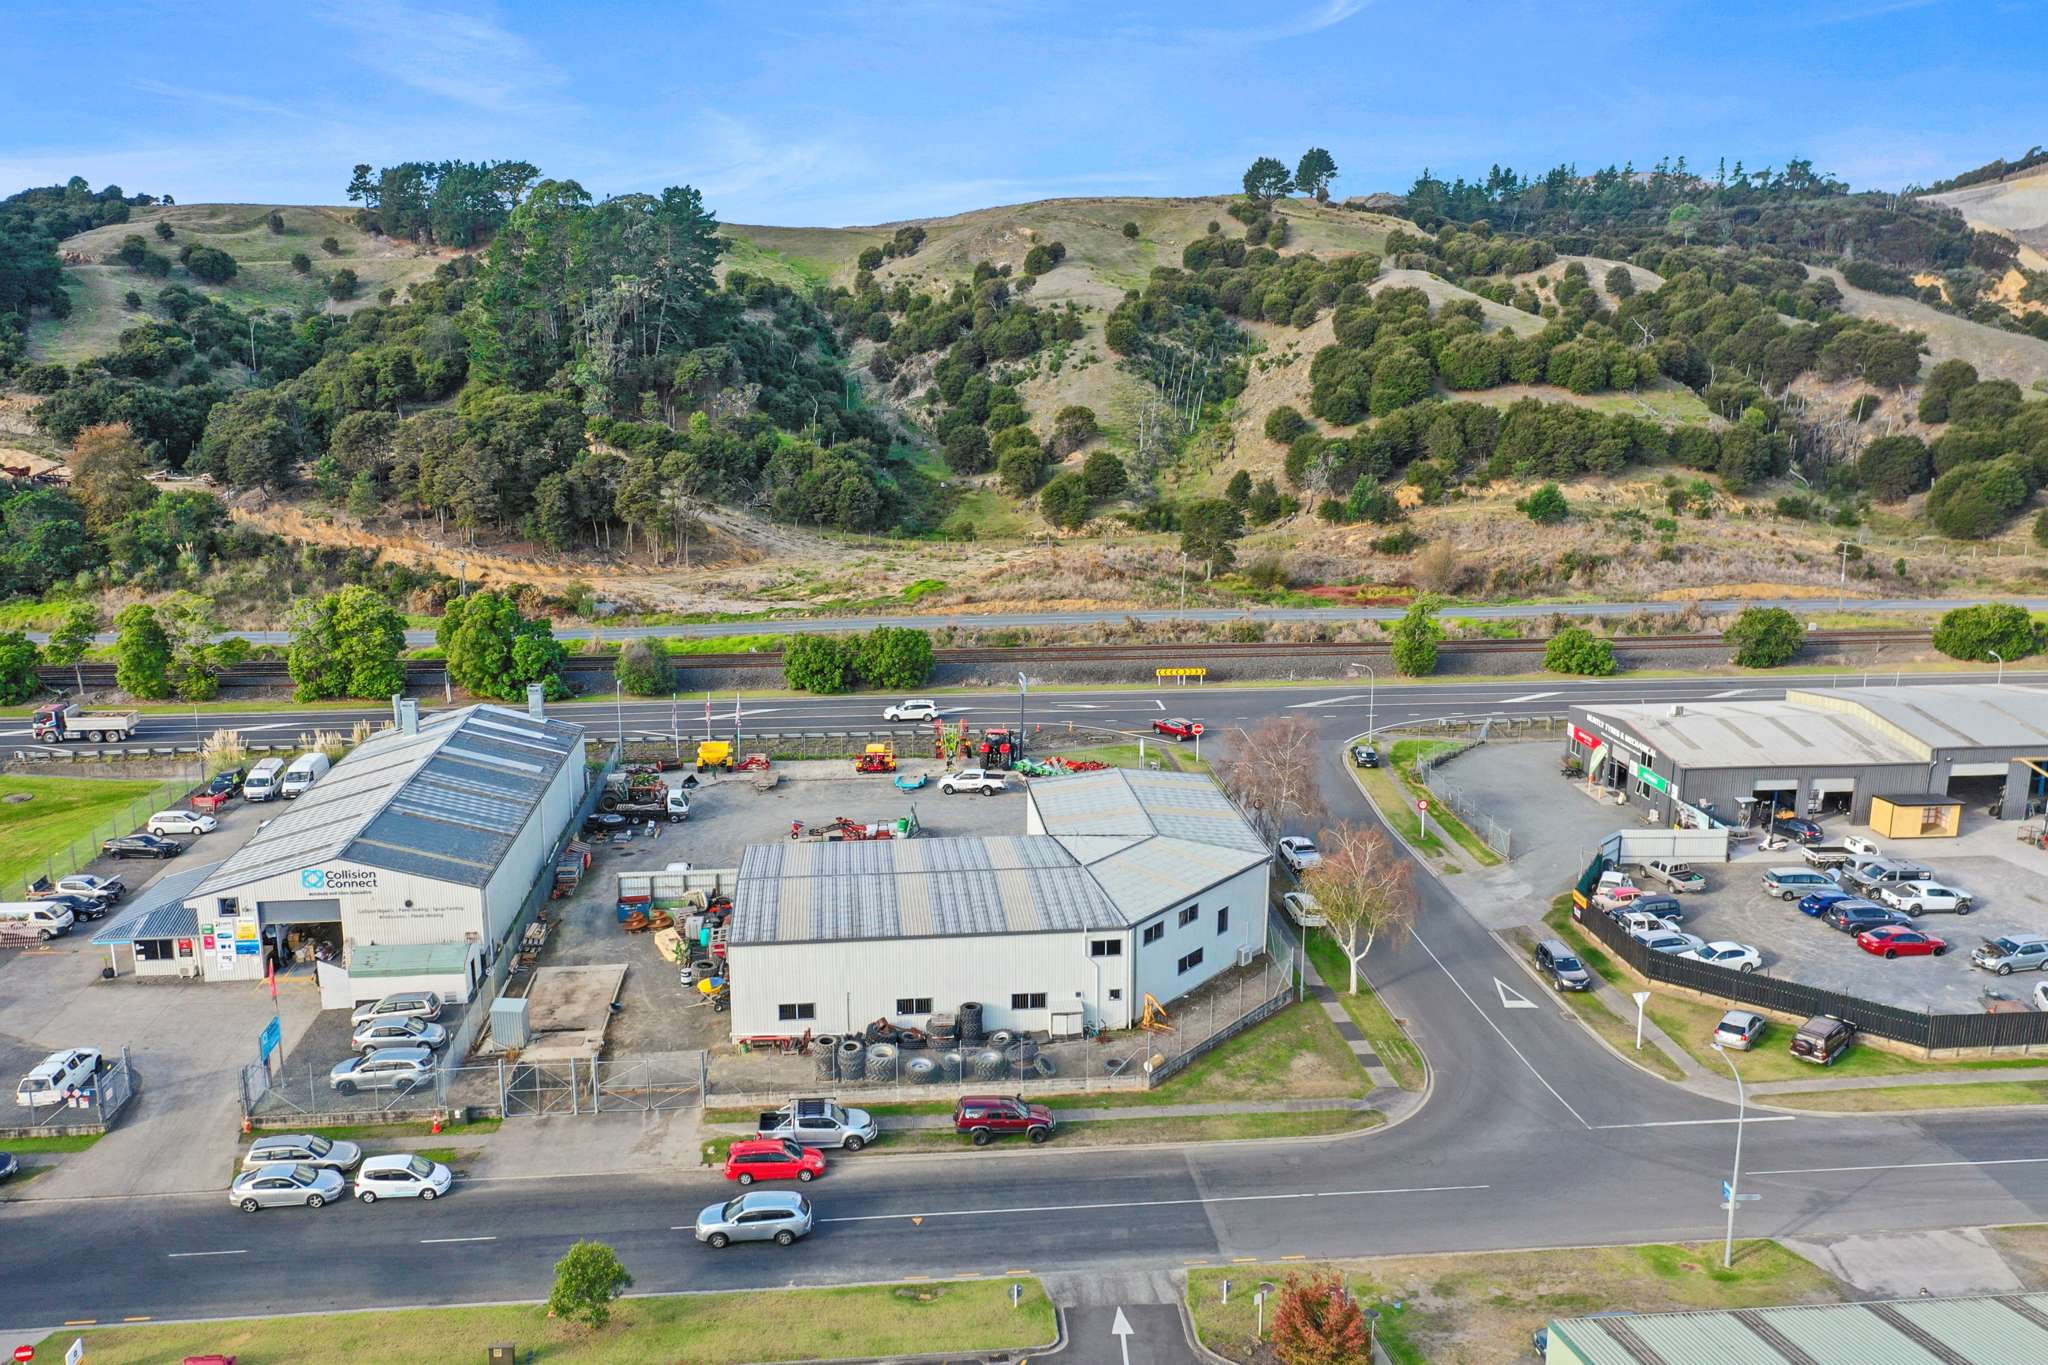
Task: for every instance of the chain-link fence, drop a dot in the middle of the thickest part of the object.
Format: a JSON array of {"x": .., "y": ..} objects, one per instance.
[
  {"x": 63, "y": 859},
  {"x": 513, "y": 1087},
  {"x": 84, "y": 1105},
  {"x": 1498, "y": 837}
]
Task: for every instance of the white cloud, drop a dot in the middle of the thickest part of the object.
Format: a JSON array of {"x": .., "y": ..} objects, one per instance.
[
  {"x": 244, "y": 103},
  {"x": 467, "y": 57}
]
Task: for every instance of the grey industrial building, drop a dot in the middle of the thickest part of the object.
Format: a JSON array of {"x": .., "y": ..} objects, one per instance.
[
  {"x": 1122, "y": 884},
  {"x": 1821, "y": 749},
  {"x": 406, "y": 866}
]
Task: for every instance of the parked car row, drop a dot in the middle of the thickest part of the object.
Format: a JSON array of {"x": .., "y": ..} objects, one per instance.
[
  {"x": 1821, "y": 1040},
  {"x": 319, "y": 1179},
  {"x": 1654, "y": 920}
]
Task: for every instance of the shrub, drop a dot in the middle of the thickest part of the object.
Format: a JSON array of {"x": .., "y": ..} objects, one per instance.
[
  {"x": 894, "y": 658},
  {"x": 1764, "y": 637},
  {"x": 1019, "y": 470},
  {"x": 1976, "y": 632},
  {"x": 2041, "y": 529},
  {"x": 1370, "y": 501},
  {"x": 1283, "y": 424},
  {"x": 1074, "y": 427},
  {"x": 1973, "y": 501},
  {"x": 1619, "y": 282},
  {"x": 276, "y": 222},
  {"x": 967, "y": 451},
  {"x": 1104, "y": 475},
  {"x": 870, "y": 258},
  {"x": 1894, "y": 467},
  {"x": 643, "y": 670},
  {"x": 341, "y": 285},
  {"x": 1416, "y": 637},
  {"x": 1131, "y": 231},
  {"x": 302, "y": 264},
  {"x": 819, "y": 663},
  {"x": 1065, "y": 501},
  {"x": 1546, "y": 506},
  {"x": 587, "y": 1279},
  {"x": 1579, "y": 652},
  {"x": 330, "y": 246},
  {"x": 18, "y": 659},
  {"x": 210, "y": 264},
  {"x": 1239, "y": 489},
  {"x": 1398, "y": 543}
]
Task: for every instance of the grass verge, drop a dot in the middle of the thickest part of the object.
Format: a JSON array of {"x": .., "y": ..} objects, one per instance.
[
  {"x": 356, "y": 1132},
  {"x": 967, "y": 1317},
  {"x": 1128, "y": 1132},
  {"x": 1397, "y": 808},
  {"x": 1975, "y": 1095},
  {"x": 1406, "y": 756},
  {"x": 58, "y": 824},
  {"x": 1396, "y": 1052},
  {"x": 61, "y": 1142},
  {"x": 1485, "y": 1306},
  {"x": 1620, "y": 1033}
]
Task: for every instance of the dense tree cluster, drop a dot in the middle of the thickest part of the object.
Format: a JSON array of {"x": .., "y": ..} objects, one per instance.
[
  {"x": 1996, "y": 169},
  {"x": 447, "y": 203},
  {"x": 31, "y": 275},
  {"x": 887, "y": 659},
  {"x": 1982, "y": 469}
]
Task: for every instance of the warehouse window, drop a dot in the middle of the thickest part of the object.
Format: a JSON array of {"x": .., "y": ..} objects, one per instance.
[
  {"x": 1106, "y": 947},
  {"x": 914, "y": 1004},
  {"x": 1116, "y": 994},
  {"x": 1154, "y": 932},
  {"x": 1028, "y": 1000},
  {"x": 1190, "y": 915},
  {"x": 1223, "y": 920},
  {"x": 1190, "y": 962},
  {"x": 792, "y": 1014}
]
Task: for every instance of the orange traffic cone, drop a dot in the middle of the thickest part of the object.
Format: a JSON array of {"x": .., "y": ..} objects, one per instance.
[{"x": 437, "y": 1123}]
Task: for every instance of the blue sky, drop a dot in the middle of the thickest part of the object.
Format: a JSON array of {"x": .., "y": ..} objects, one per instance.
[{"x": 881, "y": 109}]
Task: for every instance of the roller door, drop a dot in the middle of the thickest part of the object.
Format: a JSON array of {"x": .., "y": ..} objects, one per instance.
[
  {"x": 1978, "y": 769},
  {"x": 1837, "y": 786}
]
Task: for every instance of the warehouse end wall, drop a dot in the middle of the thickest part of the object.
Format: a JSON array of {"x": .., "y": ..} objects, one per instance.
[{"x": 1243, "y": 897}]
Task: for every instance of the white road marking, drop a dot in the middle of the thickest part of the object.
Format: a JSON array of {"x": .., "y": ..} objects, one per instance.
[
  {"x": 1910, "y": 1166},
  {"x": 1512, "y": 999},
  {"x": 1533, "y": 696},
  {"x": 181, "y": 1255},
  {"x": 1327, "y": 701},
  {"x": 1503, "y": 1037},
  {"x": 1153, "y": 1203},
  {"x": 438, "y": 1241},
  {"x": 1158, "y": 703},
  {"x": 1732, "y": 692},
  {"x": 1699, "y": 1123}
]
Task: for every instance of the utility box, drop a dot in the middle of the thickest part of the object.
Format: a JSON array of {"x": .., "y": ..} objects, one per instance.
[
  {"x": 511, "y": 1023},
  {"x": 502, "y": 1354}
]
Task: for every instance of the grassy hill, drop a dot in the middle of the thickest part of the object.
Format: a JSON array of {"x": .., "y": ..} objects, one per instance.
[
  {"x": 2017, "y": 207},
  {"x": 265, "y": 280}
]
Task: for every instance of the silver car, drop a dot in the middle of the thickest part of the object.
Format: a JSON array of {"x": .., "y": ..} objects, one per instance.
[
  {"x": 403, "y": 1031},
  {"x": 757, "y": 1216},
  {"x": 404, "y": 1005},
  {"x": 390, "y": 1068},
  {"x": 274, "y": 1186},
  {"x": 301, "y": 1149}
]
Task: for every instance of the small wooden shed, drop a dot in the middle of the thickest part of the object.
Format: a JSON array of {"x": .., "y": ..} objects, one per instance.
[{"x": 1916, "y": 817}]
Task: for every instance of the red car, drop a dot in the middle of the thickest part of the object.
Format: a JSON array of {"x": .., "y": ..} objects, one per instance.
[
  {"x": 1179, "y": 727},
  {"x": 985, "y": 1117},
  {"x": 772, "y": 1159},
  {"x": 1895, "y": 940}
]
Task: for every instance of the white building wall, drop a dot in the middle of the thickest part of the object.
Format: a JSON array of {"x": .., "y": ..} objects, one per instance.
[
  {"x": 526, "y": 860},
  {"x": 850, "y": 985},
  {"x": 1156, "y": 966}
]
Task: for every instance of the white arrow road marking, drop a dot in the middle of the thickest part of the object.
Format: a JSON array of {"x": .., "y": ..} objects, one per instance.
[
  {"x": 1121, "y": 1330},
  {"x": 1512, "y": 999},
  {"x": 1533, "y": 696},
  {"x": 1158, "y": 703},
  {"x": 1327, "y": 701}
]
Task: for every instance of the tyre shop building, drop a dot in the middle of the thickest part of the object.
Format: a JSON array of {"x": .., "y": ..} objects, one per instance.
[
  {"x": 1820, "y": 750},
  {"x": 1123, "y": 884},
  {"x": 417, "y": 850}
]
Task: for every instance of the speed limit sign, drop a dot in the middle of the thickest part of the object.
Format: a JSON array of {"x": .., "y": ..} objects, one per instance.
[{"x": 1422, "y": 805}]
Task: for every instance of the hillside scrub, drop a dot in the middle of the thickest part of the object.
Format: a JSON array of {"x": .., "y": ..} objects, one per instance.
[
  {"x": 889, "y": 659},
  {"x": 1764, "y": 637},
  {"x": 1578, "y": 652},
  {"x": 1986, "y": 632}
]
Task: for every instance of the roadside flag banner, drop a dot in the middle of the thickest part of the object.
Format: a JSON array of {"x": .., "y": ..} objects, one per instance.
[{"x": 270, "y": 975}]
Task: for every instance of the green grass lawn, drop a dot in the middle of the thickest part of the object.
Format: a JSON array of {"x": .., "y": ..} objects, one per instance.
[
  {"x": 1396, "y": 1051},
  {"x": 1390, "y": 797},
  {"x": 1404, "y": 756},
  {"x": 60, "y": 1142},
  {"x": 58, "y": 829},
  {"x": 968, "y": 1317},
  {"x": 356, "y": 1132},
  {"x": 1483, "y": 1307}
]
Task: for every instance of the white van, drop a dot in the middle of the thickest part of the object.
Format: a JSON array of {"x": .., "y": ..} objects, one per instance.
[
  {"x": 306, "y": 769},
  {"x": 38, "y": 920},
  {"x": 262, "y": 781},
  {"x": 55, "y": 1074}
]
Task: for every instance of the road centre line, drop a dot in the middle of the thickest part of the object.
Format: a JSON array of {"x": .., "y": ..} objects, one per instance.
[
  {"x": 181, "y": 1255},
  {"x": 1910, "y": 1166},
  {"x": 1497, "y": 1029},
  {"x": 1151, "y": 1203},
  {"x": 1697, "y": 1123},
  {"x": 438, "y": 1241}
]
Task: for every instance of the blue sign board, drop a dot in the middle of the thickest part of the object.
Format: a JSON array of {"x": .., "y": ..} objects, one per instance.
[
  {"x": 273, "y": 1037},
  {"x": 248, "y": 947}
]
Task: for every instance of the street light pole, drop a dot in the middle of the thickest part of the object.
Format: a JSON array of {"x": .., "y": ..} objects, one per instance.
[
  {"x": 2001, "y": 663},
  {"x": 1735, "y": 1183},
  {"x": 1372, "y": 691},
  {"x": 1842, "y": 583},
  {"x": 1022, "y": 686}
]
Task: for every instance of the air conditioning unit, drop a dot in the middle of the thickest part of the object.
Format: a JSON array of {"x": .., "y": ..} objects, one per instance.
[{"x": 1245, "y": 954}]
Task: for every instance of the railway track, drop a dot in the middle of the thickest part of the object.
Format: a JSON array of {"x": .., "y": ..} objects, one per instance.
[{"x": 273, "y": 672}]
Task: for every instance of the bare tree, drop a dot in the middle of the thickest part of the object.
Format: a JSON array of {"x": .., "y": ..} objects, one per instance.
[
  {"x": 1365, "y": 888},
  {"x": 1270, "y": 772}
]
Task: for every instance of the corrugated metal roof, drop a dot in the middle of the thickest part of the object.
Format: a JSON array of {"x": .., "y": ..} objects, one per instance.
[
  {"x": 443, "y": 803},
  {"x": 1950, "y": 715},
  {"x": 1117, "y": 851},
  {"x": 408, "y": 959},
  {"x": 1757, "y": 734},
  {"x": 159, "y": 910},
  {"x": 1986, "y": 1330}
]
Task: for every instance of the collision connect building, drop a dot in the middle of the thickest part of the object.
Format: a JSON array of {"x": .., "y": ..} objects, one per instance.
[
  {"x": 1123, "y": 884},
  {"x": 1819, "y": 749}
]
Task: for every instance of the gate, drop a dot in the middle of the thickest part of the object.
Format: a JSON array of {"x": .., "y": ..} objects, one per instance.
[
  {"x": 652, "y": 1084},
  {"x": 525, "y": 1088}
]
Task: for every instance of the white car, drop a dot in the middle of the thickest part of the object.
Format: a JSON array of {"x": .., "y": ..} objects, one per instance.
[
  {"x": 108, "y": 889},
  {"x": 181, "y": 822},
  {"x": 1299, "y": 852},
  {"x": 1862, "y": 847},
  {"x": 398, "y": 1031},
  {"x": 402, "y": 1176},
  {"x": 402, "y": 1005},
  {"x": 923, "y": 709},
  {"x": 1925, "y": 898},
  {"x": 973, "y": 780},
  {"x": 1634, "y": 921},
  {"x": 2041, "y": 997},
  {"x": 56, "y": 1075},
  {"x": 1303, "y": 907},
  {"x": 1669, "y": 941},
  {"x": 1725, "y": 953}
]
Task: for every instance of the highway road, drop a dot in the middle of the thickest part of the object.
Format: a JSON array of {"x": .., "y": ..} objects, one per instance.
[
  {"x": 755, "y": 625},
  {"x": 1533, "y": 1135}
]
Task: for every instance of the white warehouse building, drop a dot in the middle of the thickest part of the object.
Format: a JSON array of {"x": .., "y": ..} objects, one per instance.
[
  {"x": 1123, "y": 884},
  {"x": 407, "y": 864}
]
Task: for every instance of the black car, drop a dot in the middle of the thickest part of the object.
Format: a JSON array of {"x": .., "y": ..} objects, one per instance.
[
  {"x": 8, "y": 1165},
  {"x": 1796, "y": 829},
  {"x": 227, "y": 782},
  {"x": 1364, "y": 756},
  {"x": 1853, "y": 916},
  {"x": 81, "y": 907},
  {"x": 142, "y": 846},
  {"x": 1663, "y": 907}
]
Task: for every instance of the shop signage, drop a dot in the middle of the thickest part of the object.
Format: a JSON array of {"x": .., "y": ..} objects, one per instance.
[
  {"x": 339, "y": 879},
  {"x": 245, "y": 930},
  {"x": 1651, "y": 779},
  {"x": 1588, "y": 741},
  {"x": 273, "y": 1037}
]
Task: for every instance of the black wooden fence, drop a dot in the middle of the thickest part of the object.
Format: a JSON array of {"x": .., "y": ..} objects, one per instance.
[{"x": 1931, "y": 1031}]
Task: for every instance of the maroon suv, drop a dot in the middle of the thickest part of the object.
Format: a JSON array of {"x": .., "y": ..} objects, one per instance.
[{"x": 983, "y": 1117}]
